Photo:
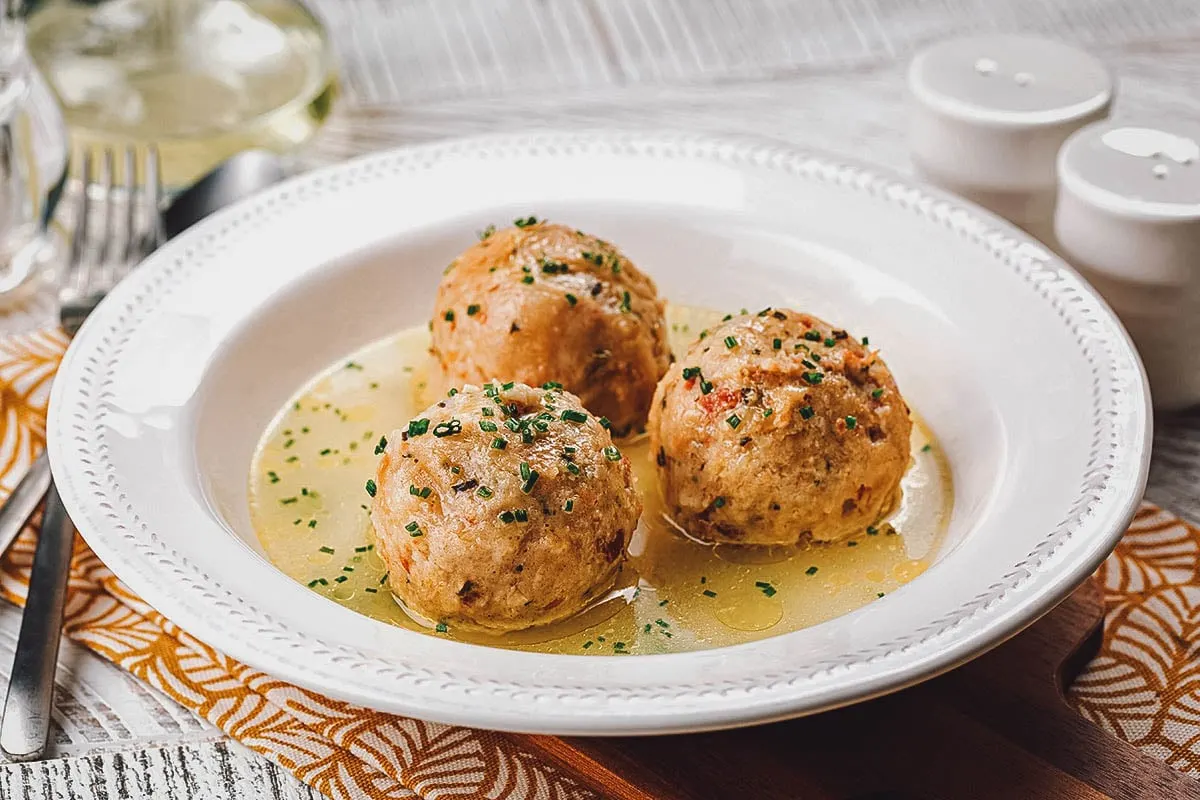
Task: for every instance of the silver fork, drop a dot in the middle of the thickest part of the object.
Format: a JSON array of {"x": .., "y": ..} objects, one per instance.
[{"x": 25, "y": 727}]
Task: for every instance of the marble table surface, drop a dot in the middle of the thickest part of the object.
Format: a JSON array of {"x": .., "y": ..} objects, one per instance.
[{"x": 827, "y": 74}]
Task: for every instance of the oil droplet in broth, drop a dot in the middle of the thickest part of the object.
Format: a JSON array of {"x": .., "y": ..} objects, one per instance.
[{"x": 750, "y": 616}]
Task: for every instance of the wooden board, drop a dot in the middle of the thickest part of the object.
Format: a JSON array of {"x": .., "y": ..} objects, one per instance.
[{"x": 998, "y": 727}]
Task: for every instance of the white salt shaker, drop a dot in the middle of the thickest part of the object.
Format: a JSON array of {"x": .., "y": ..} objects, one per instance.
[
  {"x": 1129, "y": 219},
  {"x": 989, "y": 113}
]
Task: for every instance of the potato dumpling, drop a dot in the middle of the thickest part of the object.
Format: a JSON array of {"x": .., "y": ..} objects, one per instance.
[
  {"x": 501, "y": 508},
  {"x": 778, "y": 428},
  {"x": 540, "y": 302}
]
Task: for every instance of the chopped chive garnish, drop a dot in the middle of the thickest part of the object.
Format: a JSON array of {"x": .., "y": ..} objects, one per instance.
[
  {"x": 525, "y": 222},
  {"x": 768, "y": 412},
  {"x": 371, "y": 488},
  {"x": 364, "y": 548},
  {"x": 851, "y": 423},
  {"x": 731, "y": 342},
  {"x": 569, "y": 506},
  {"x": 522, "y": 515},
  {"x": 293, "y": 459},
  {"x": 587, "y": 644},
  {"x": 273, "y": 477},
  {"x": 866, "y": 341},
  {"x": 371, "y": 590},
  {"x": 777, "y": 343},
  {"x": 525, "y": 470},
  {"x": 412, "y": 526},
  {"x": 484, "y": 492},
  {"x": 878, "y": 393},
  {"x": 379, "y": 448},
  {"x": 734, "y": 420},
  {"x": 660, "y": 622},
  {"x": 287, "y": 501},
  {"x": 647, "y": 628},
  {"x": 690, "y": 372},
  {"x": 719, "y": 502},
  {"x": 571, "y": 415},
  {"x": 705, "y": 386},
  {"x": 417, "y": 427},
  {"x": 288, "y": 443},
  {"x": 326, "y": 451},
  {"x": 448, "y": 428},
  {"x": 612, "y": 453},
  {"x": 813, "y": 377},
  {"x": 441, "y": 627},
  {"x": 812, "y": 336},
  {"x": 527, "y": 486},
  {"x": 499, "y": 443},
  {"x": 872, "y": 530},
  {"x": 625, "y": 307},
  {"x": 326, "y": 549},
  {"x": 810, "y": 571},
  {"x": 573, "y": 468},
  {"x": 472, "y": 310},
  {"x": 312, "y": 523},
  {"x": 347, "y": 568},
  {"x": 766, "y": 588},
  {"x": 449, "y": 316},
  {"x": 709, "y": 593},
  {"x": 663, "y": 602},
  {"x": 485, "y": 425},
  {"x": 507, "y": 517},
  {"x": 830, "y": 342},
  {"x": 340, "y": 579},
  {"x": 605, "y": 423},
  {"x": 926, "y": 448},
  {"x": 507, "y": 386},
  {"x": 806, "y": 412},
  {"x": 318, "y": 582}
]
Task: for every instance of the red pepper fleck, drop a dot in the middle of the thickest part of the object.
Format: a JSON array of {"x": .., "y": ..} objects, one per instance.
[{"x": 720, "y": 400}]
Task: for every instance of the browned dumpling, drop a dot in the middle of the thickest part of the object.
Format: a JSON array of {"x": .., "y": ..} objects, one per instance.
[
  {"x": 540, "y": 302},
  {"x": 501, "y": 508},
  {"x": 778, "y": 428}
]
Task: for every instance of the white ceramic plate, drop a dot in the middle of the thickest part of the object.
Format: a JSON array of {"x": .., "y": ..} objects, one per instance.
[{"x": 1025, "y": 376}]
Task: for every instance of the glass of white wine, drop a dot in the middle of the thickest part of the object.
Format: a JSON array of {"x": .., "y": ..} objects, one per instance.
[{"x": 200, "y": 79}]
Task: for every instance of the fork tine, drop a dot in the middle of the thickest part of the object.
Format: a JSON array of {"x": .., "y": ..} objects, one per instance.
[
  {"x": 130, "y": 255},
  {"x": 98, "y": 274},
  {"x": 79, "y": 236},
  {"x": 154, "y": 193}
]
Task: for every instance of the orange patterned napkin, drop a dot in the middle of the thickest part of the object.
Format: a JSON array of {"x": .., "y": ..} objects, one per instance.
[{"x": 1144, "y": 686}]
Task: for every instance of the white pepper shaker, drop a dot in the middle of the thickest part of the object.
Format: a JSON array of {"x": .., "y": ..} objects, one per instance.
[
  {"x": 989, "y": 113},
  {"x": 1129, "y": 219}
]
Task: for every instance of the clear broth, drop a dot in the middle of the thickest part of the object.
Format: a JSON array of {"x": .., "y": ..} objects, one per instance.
[{"x": 311, "y": 514}]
